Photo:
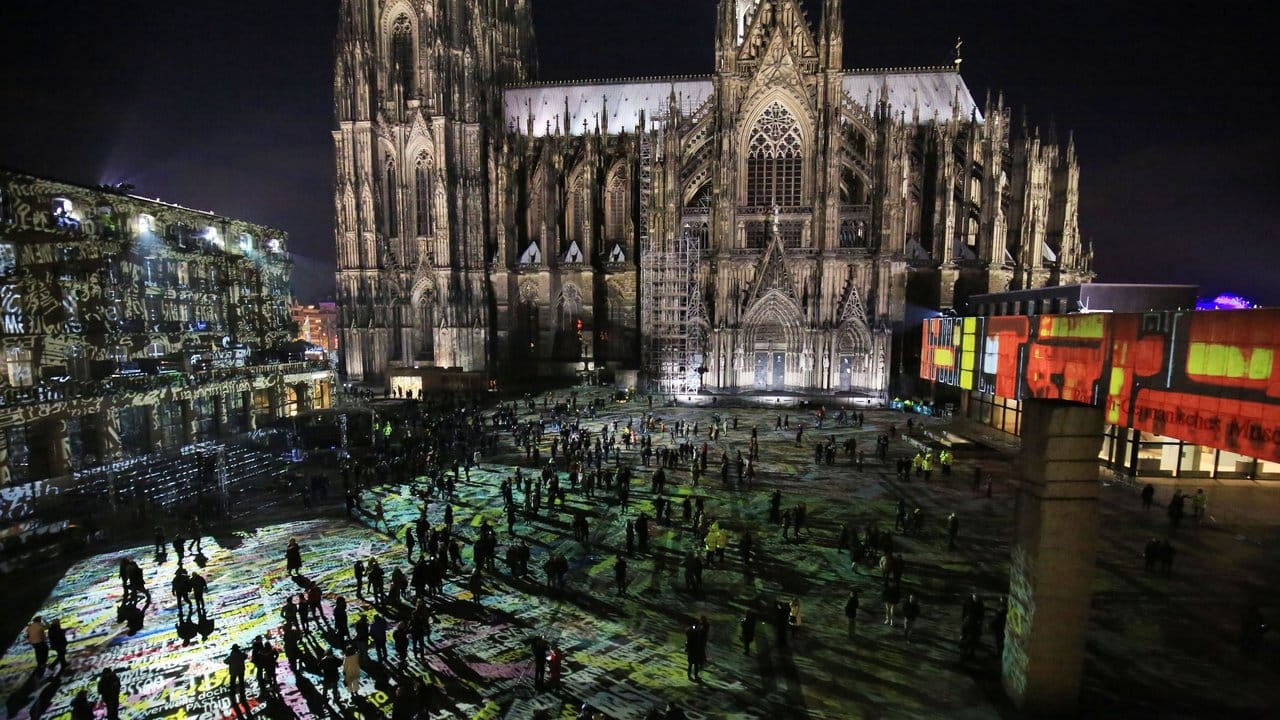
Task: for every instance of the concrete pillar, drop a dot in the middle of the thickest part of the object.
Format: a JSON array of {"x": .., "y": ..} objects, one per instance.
[
  {"x": 303, "y": 391},
  {"x": 5, "y": 476},
  {"x": 220, "y": 413},
  {"x": 154, "y": 439},
  {"x": 189, "y": 421},
  {"x": 250, "y": 415},
  {"x": 108, "y": 434},
  {"x": 1052, "y": 567},
  {"x": 275, "y": 396},
  {"x": 59, "y": 447}
]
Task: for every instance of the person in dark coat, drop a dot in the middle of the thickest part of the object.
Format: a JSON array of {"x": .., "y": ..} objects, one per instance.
[
  {"x": 1148, "y": 493},
  {"x": 330, "y": 673},
  {"x": 235, "y": 669},
  {"x": 293, "y": 557},
  {"x": 748, "y": 627},
  {"x": 109, "y": 691},
  {"x": 620, "y": 574},
  {"x": 539, "y": 648},
  {"x": 851, "y": 610},
  {"x": 81, "y": 708},
  {"x": 58, "y": 644}
]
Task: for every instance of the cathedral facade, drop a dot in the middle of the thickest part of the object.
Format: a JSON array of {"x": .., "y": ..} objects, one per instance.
[{"x": 772, "y": 226}]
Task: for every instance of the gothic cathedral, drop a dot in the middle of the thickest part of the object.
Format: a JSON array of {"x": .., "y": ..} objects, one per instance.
[{"x": 763, "y": 228}]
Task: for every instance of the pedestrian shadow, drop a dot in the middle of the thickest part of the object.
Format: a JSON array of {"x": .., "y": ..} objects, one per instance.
[
  {"x": 21, "y": 695},
  {"x": 45, "y": 698}
]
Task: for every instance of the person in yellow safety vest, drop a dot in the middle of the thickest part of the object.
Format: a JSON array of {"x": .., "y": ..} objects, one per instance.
[
  {"x": 917, "y": 463},
  {"x": 944, "y": 459},
  {"x": 926, "y": 465},
  {"x": 716, "y": 541}
]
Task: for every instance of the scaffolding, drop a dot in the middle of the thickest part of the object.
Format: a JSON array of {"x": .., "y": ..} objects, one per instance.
[{"x": 672, "y": 317}]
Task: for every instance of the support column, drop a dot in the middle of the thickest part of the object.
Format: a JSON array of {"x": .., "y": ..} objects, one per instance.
[
  {"x": 275, "y": 398},
  {"x": 109, "y": 448},
  {"x": 154, "y": 439},
  {"x": 303, "y": 391},
  {"x": 220, "y": 413},
  {"x": 189, "y": 421},
  {"x": 250, "y": 413},
  {"x": 5, "y": 476},
  {"x": 1052, "y": 567}
]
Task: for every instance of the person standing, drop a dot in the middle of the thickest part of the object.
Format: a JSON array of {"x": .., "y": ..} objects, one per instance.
[
  {"x": 109, "y": 691},
  {"x": 555, "y": 665},
  {"x": 953, "y": 528},
  {"x": 293, "y": 557},
  {"x": 620, "y": 574},
  {"x": 235, "y": 671},
  {"x": 378, "y": 635},
  {"x": 889, "y": 597},
  {"x": 38, "y": 637},
  {"x": 408, "y": 540},
  {"x": 81, "y": 708},
  {"x": 748, "y": 626},
  {"x": 58, "y": 643},
  {"x": 1148, "y": 492},
  {"x": 351, "y": 669},
  {"x": 910, "y": 613},
  {"x": 199, "y": 586},
  {"x": 359, "y": 571},
  {"x": 1198, "y": 503},
  {"x": 539, "y": 647},
  {"x": 330, "y": 671},
  {"x": 851, "y": 611}
]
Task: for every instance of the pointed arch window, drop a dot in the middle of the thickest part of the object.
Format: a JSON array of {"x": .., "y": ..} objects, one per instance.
[
  {"x": 389, "y": 187},
  {"x": 403, "y": 58},
  {"x": 423, "y": 194},
  {"x": 616, "y": 212},
  {"x": 577, "y": 209},
  {"x": 775, "y": 160}
]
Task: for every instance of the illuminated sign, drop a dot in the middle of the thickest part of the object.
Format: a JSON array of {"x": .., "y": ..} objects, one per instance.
[{"x": 1208, "y": 378}]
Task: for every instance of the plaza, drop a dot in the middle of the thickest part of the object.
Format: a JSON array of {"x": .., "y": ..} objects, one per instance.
[{"x": 1153, "y": 642}]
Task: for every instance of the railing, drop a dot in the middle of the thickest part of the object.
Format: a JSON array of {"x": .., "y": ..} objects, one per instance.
[{"x": 79, "y": 389}]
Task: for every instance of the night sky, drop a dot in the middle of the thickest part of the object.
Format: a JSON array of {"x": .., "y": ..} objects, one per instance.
[{"x": 227, "y": 106}]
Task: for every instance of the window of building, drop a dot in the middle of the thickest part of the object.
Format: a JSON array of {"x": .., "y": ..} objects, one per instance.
[
  {"x": 135, "y": 434},
  {"x": 577, "y": 210},
  {"x": 235, "y": 413},
  {"x": 206, "y": 417},
  {"x": 774, "y": 160},
  {"x": 389, "y": 204},
  {"x": 19, "y": 454},
  {"x": 403, "y": 56},
  {"x": 146, "y": 224},
  {"x": 616, "y": 208},
  {"x": 423, "y": 193},
  {"x": 156, "y": 350},
  {"x": 63, "y": 213},
  {"x": 169, "y": 424},
  {"x": 77, "y": 362},
  {"x": 8, "y": 259},
  {"x": 18, "y": 367}
]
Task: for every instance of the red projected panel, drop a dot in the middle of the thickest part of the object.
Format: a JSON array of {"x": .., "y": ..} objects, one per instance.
[{"x": 1204, "y": 377}]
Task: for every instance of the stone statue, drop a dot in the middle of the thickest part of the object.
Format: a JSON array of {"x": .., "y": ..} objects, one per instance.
[{"x": 777, "y": 221}]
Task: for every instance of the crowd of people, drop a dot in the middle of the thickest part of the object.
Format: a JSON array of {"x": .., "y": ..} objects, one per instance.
[{"x": 560, "y": 464}]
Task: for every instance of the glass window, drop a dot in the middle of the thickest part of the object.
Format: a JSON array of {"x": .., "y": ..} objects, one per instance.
[
  {"x": 169, "y": 421},
  {"x": 135, "y": 437},
  {"x": 616, "y": 212},
  {"x": 774, "y": 164},
  {"x": 422, "y": 186},
  {"x": 19, "y": 454},
  {"x": 403, "y": 56},
  {"x": 206, "y": 417},
  {"x": 18, "y": 367}
]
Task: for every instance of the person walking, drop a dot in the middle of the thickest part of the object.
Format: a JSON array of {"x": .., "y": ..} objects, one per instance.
[
  {"x": 1198, "y": 503},
  {"x": 378, "y": 635},
  {"x": 38, "y": 637},
  {"x": 693, "y": 651},
  {"x": 109, "y": 691},
  {"x": 953, "y": 528},
  {"x": 359, "y": 572}
]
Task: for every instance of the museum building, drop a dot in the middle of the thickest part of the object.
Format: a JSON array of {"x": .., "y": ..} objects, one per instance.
[{"x": 131, "y": 327}]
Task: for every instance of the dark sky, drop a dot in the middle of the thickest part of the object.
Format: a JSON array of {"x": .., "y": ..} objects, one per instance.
[{"x": 226, "y": 106}]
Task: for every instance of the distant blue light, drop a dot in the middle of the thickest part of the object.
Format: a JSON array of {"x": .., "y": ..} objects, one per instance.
[{"x": 1225, "y": 301}]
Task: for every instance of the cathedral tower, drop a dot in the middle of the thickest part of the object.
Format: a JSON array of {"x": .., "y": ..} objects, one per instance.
[{"x": 417, "y": 99}]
